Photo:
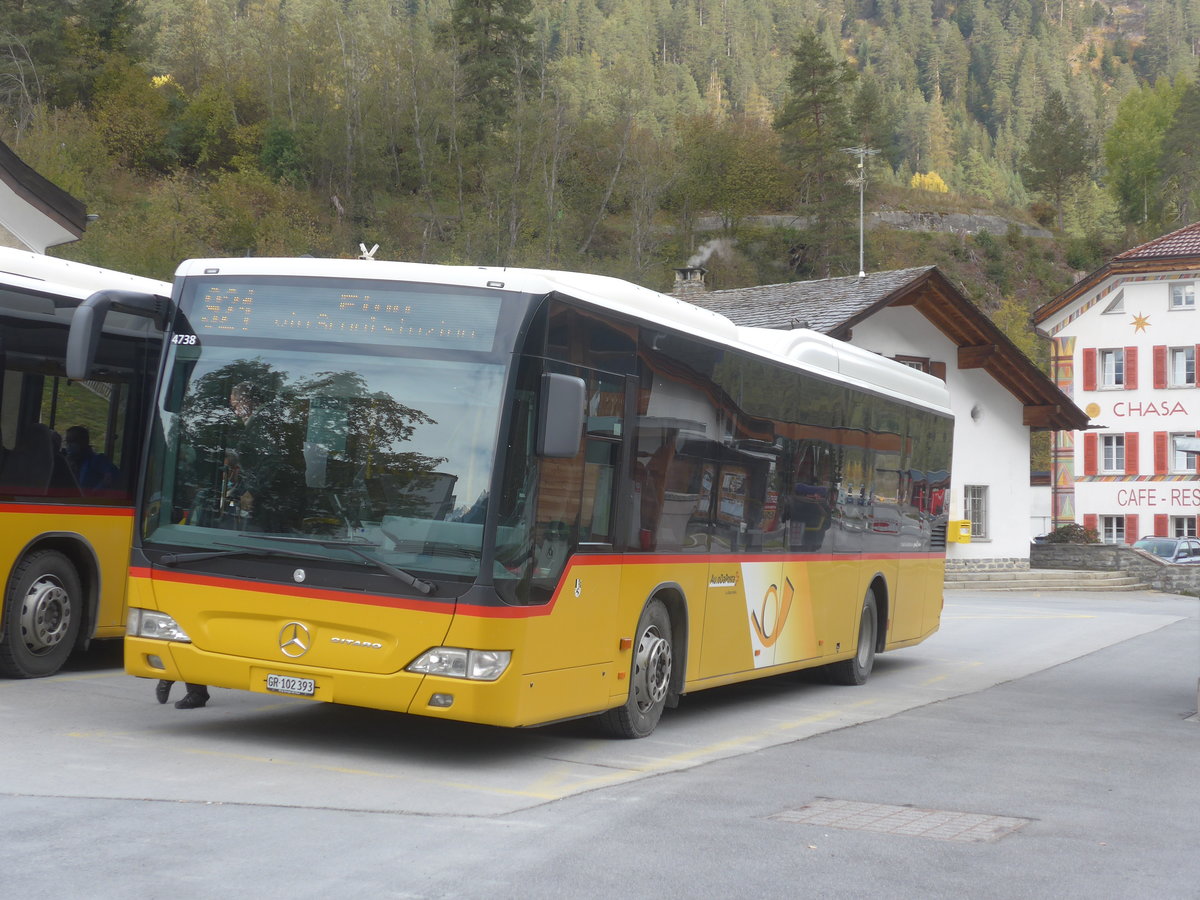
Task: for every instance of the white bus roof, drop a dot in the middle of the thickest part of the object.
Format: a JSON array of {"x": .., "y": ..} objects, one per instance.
[
  {"x": 801, "y": 348},
  {"x": 65, "y": 278}
]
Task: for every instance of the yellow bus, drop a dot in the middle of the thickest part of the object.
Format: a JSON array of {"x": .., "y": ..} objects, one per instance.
[
  {"x": 69, "y": 455},
  {"x": 515, "y": 496}
]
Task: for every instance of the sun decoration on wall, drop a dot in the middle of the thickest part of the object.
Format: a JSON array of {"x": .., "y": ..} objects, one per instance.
[{"x": 1140, "y": 322}]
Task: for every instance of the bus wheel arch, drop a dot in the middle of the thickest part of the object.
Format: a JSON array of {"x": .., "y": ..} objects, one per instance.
[
  {"x": 654, "y": 670},
  {"x": 883, "y": 608},
  {"x": 44, "y": 611},
  {"x": 857, "y": 669}
]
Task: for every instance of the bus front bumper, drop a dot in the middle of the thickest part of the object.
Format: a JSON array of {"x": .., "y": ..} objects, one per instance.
[{"x": 513, "y": 700}]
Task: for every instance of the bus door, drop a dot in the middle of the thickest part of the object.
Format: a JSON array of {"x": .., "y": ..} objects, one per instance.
[
  {"x": 575, "y": 532},
  {"x": 747, "y": 602}
]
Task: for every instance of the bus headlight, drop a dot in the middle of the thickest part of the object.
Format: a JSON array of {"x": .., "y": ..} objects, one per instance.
[
  {"x": 147, "y": 623},
  {"x": 455, "y": 662}
]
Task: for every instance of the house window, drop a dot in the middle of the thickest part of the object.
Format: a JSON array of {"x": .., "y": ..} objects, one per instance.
[
  {"x": 1116, "y": 306},
  {"x": 975, "y": 496},
  {"x": 1183, "y": 526},
  {"x": 1112, "y": 368},
  {"x": 1183, "y": 366},
  {"x": 921, "y": 364},
  {"x": 1183, "y": 462},
  {"x": 1112, "y": 529},
  {"x": 1183, "y": 296},
  {"x": 1112, "y": 459}
]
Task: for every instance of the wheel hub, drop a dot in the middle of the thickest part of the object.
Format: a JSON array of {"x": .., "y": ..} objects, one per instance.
[
  {"x": 45, "y": 615},
  {"x": 652, "y": 669}
]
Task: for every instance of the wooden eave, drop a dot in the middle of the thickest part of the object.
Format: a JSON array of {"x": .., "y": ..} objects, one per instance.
[
  {"x": 983, "y": 346},
  {"x": 42, "y": 194}
]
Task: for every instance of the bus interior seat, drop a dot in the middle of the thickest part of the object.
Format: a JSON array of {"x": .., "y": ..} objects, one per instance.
[{"x": 29, "y": 466}]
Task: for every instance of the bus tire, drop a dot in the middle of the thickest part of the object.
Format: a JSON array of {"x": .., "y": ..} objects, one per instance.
[
  {"x": 650, "y": 674},
  {"x": 857, "y": 669},
  {"x": 43, "y": 608}
]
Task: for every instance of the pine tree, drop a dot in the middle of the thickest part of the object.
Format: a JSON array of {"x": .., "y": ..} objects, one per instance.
[
  {"x": 493, "y": 41},
  {"x": 1180, "y": 161},
  {"x": 1059, "y": 152},
  {"x": 815, "y": 131}
]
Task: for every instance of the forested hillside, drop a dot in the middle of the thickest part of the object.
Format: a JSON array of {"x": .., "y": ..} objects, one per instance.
[{"x": 600, "y": 134}]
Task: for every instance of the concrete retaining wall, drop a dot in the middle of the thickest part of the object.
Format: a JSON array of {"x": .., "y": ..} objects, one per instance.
[{"x": 1174, "y": 578}]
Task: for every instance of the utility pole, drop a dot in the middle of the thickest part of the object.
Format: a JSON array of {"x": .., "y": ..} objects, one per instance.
[{"x": 862, "y": 153}]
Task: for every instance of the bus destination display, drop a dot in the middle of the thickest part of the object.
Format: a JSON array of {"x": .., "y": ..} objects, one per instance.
[{"x": 397, "y": 316}]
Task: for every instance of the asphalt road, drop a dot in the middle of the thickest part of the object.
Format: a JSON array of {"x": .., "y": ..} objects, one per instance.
[{"x": 1040, "y": 745}]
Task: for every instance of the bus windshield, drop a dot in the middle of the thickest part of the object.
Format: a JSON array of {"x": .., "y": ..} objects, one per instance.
[{"x": 327, "y": 448}]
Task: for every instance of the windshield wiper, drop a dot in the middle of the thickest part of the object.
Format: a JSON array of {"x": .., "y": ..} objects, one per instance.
[
  {"x": 174, "y": 559},
  {"x": 420, "y": 584}
]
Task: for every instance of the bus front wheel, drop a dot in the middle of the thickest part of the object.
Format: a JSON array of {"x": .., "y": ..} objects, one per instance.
[
  {"x": 857, "y": 669},
  {"x": 42, "y": 612},
  {"x": 650, "y": 673}
]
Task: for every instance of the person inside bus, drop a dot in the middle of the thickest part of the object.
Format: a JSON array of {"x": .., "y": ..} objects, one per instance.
[
  {"x": 195, "y": 698},
  {"x": 93, "y": 471},
  {"x": 259, "y": 465}
]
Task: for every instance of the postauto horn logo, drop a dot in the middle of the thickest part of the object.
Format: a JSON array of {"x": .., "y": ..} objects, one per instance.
[{"x": 769, "y": 619}]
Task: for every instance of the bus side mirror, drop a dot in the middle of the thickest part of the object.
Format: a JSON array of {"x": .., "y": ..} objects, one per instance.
[
  {"x": 88, "y": 322},
  {"x": 84, "y": 337},
  {"x": 560, "y": 422}
]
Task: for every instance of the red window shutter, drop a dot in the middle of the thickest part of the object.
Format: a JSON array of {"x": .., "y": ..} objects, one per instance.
[
  {"x": 1160, "y": 366},
  {"x": 1161, "y": 452},
  {"x": 1090, "y": 450},
  {"x": 1196, "y": 369},
  {"x": 1131, "y": 529},
  {"x": 1160, "y": 526},
  {"x": 1089, "y": 369},
  {"x": 938, "y": 370},
  {"x": 1091, "y": 521},
  {"x": 1131, "y": 453},
  {"x": 1131, "y": 367}
]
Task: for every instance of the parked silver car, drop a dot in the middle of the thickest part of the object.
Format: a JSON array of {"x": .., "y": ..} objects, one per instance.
[{"x": 1176, "y": 550}]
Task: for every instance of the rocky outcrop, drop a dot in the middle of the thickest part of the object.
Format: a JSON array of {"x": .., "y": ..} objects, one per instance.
[{"x": 949, "y": 223}]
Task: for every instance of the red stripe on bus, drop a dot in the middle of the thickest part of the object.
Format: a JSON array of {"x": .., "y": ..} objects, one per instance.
[
  {"x": 288, "y": 591},
  {"x": 58, "y": 509},
  {"x": 501, "y": 612}
]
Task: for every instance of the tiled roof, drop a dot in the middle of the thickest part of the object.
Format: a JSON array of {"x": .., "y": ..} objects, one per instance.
[
  {"x": 1178, "y": 251},
  {"x": 1183, "y": 242},
  {"x": 823, "y": 305}
]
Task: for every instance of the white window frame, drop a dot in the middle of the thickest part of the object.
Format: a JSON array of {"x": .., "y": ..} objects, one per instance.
[
  {"x": 1117, "y": 305},
  {"x": 1112, "y": 529},
  {"x": 1112, "y": 454},
  {"x": 1183, "y": 295},
  {"x": 1112, "y": 368},
  {"x": 1183, "y": 526},
  {"x": 975, "y": 507},
  {"x": 1181, "y": 366},
  {"x": 1183, "y": 462},
  {"x": 920, "y": 363}
]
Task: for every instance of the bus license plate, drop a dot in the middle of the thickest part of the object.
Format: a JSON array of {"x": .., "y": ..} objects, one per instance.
[{"x": 288, "y": 684}]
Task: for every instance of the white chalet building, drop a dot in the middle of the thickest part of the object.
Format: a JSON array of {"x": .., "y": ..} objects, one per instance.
[{"x": 1125, "y": 345}]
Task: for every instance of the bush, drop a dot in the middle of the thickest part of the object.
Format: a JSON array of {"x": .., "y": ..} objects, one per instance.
[{"x": 1073, "y": 534}]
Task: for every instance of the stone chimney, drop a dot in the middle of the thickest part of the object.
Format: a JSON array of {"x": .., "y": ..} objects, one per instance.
[{"x": 689, "y": 282}]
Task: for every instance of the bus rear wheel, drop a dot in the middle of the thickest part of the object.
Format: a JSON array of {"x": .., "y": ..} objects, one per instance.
[
  {"x": 649, "y": 677},
  {"x": 42, "y": 613},
  {"x": 857, "y": 669}
]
